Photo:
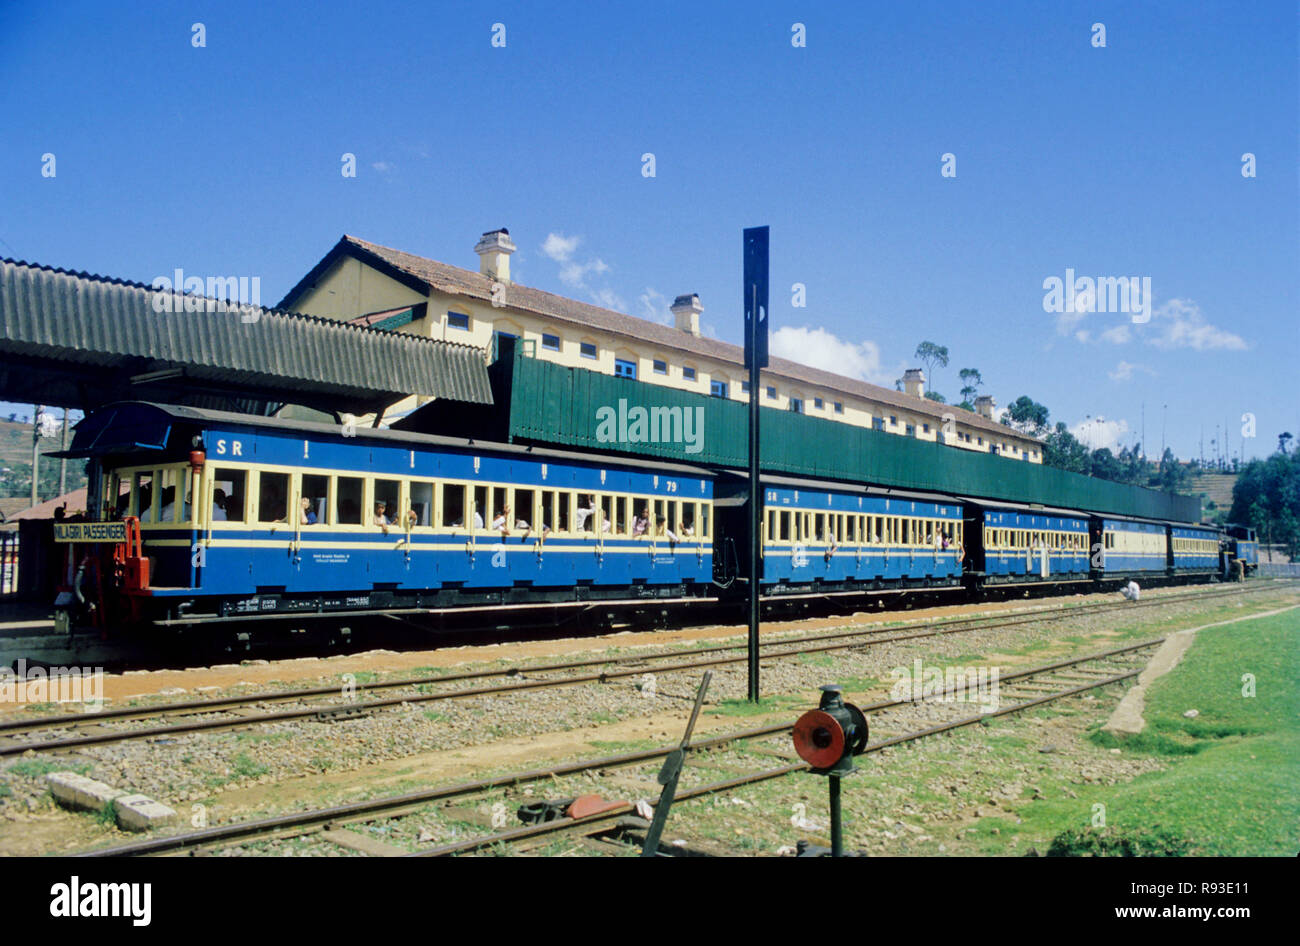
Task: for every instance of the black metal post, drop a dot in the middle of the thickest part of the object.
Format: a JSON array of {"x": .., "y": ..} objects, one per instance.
[
  {"x": 837, "y": 828},
  {"x": 755, "y": 304},
  {"x": 755, "y": 532}
]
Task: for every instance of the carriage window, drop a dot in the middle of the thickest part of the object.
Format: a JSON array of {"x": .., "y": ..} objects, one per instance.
[
  {"x": 852, "y": 534},
  {"x": 584, "y": 514},
  {"x": 548, "y": 511},
  {"x": 772, "y": 516},
  {"x": 453, "y": 506},
  {"x": 523, "y": 513},
  {"x": 384, "y": 509},
  {"x": 692, "y": 520},
  {"x": 621, "y": 524},
  {"x": 142, "y": 496},
  {"x": 500, "y": 510},
  {"x": 272, "y": 497},
  {"x": 608, "y": 523},
  {"x": 170, "y": 484},
  {"x": 673, "y": 522},
  {"x": 563, "y": 511},
  {"x": 481, "y": 510},
  {"x": 228, "y": 492},
  {"x": 315, "y": 499},
  {"x": 347, "y": 495},
  {"x": 421, "y": 503}
]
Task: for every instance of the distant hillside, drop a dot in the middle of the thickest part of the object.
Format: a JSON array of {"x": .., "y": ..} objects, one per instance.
[
  {"x": 16, "y": 455},
  {"x": 15, "y": 443},
  {"x": 1217, "y": 488}
]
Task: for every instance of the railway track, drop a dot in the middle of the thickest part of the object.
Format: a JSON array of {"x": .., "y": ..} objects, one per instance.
[
  {"x": 324, "y": 702},
  {"x": 1062, "y": 679}
]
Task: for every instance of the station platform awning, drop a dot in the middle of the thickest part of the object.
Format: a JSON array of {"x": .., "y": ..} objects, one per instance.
[{"x": 78, "y": 340}]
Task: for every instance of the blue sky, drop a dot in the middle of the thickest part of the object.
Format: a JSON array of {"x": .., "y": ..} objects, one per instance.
[{"x": 1123, "y": 160}]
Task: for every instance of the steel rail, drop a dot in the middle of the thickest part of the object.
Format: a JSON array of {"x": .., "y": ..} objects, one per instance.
[
  {"x": 362, "y": 810},
  {"x": 210, "y": 725},
  {"x": 194, "y": 707}
]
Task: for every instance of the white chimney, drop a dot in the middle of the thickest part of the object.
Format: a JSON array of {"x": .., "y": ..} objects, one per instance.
[
  {"x": 984, "y": 405},
  {"x": 686, "y": 310},
  {"x": 494, "y": 251},
  {"x": 914, "y": 382}
]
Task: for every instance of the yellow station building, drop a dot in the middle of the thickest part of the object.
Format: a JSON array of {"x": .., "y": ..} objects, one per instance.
[{"x": 387, "y": 288}]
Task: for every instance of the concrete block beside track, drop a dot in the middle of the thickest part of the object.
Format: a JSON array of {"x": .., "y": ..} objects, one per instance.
[
  {"x": 77, "y": 791},
  {"x": 142, "y": 813}
]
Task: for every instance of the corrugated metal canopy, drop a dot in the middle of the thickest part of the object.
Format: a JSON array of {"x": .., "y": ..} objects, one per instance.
[{"x": 79, "y": 340}]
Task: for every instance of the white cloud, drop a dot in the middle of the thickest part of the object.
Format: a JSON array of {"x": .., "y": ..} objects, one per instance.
[
  {"x": 1179, "y": 324},
  {"x": 559, "y": 247},
  {"x": 1124, "y": 371},
  {"x": 575, "y": 274},
  {"x": 1066, "y": 321},
  {"x": 609, "y": 299},
  {"x": 384, "y": 167},
  {"x": 819, "y": 348},
  {"x": 654, "y": 306},
  {"x": 1099, "y": 432}
]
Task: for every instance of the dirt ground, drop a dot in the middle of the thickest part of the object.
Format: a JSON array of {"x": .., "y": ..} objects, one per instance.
[{"x": 138, "y": 683}]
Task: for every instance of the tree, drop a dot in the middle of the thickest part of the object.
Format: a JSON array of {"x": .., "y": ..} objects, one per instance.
[
  {"x": 970, "y": 385},
  {"x": 1027, "y": 416},
  {"x": 932, "y": 356},
  {"x": 1063, "y": 450},
  {"x": 1267, "y": 497},
  {"x": 1283, "y": 439},
  {"x": 936, "y": 396}
]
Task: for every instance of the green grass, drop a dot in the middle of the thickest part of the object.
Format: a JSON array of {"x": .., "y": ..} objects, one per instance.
[
  {"x": 816, "y": 660},
  {"x": 616, "y": 747},
  {"x": 244, "y": 766},
  {"x": 435, "y": 717},
  {"x": 39, "y": 768},
  {"x": 1232, "y": 787},
  {"x": 768, "y": 704}
]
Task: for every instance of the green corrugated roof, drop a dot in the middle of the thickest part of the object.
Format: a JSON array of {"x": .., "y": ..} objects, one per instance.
[
  {"x": 554, "y": 404},
  {"x": 77, "y": 339}
]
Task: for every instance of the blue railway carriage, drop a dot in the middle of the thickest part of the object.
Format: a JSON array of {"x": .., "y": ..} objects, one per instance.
[
  {"x": 241, "y": 514},
  {"x": 1124, "y": 548},
  {"x": 1193, "y": 550},
  {"x": 822, "y": 536},
  {"x": 1013, "y": 543}
]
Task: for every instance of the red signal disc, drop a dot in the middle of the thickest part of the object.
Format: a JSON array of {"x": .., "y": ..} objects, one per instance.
[{"x": 818, "y": 739}]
